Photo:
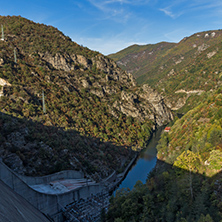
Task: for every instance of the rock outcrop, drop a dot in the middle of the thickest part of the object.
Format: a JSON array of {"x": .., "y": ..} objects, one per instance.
[
  {"x": 143, "y": 104},
  {"x": 72, "y": 62},
  {"x": 146, "y": 103},
  {"x": 3, "y": 85},
  {"x": 180, "y": 102}
]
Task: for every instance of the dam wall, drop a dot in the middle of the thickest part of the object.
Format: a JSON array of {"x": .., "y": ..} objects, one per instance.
[{"x": 51, "y": 205}]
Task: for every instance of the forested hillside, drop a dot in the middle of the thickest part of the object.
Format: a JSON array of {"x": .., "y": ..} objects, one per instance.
[
  {"x": 179, "y": 71},
  {"x": 63, "y": 106},
  {"x": 198, "y": 136},
  {"x": 187, "y": 185},
  {"x": 74, "y": 108}
]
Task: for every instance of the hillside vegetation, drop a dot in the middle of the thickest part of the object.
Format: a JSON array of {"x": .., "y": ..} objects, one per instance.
[
  {"x": 197, "y": 135},
  {"x": 93, "y": 114},
  {"x": 187, "y": 185},
  {"x": 179, "y": 71},
  {"x": 139, "y": 59}
]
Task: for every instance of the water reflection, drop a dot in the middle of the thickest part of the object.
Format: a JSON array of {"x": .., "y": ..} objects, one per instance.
[{"x": 144, "y": 164}]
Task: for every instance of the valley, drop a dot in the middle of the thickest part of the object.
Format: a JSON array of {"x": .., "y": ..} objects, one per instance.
[{"x": 66, "y": 108}]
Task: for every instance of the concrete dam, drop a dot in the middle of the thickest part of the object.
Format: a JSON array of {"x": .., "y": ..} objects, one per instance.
[{"x": 50, "y": 194}]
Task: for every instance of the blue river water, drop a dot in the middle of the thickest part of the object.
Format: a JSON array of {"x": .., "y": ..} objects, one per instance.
[{"x": 145, "y": 162}]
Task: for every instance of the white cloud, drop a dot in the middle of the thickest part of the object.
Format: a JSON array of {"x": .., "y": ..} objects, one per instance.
[
  {"x": 175, "y": 9},
  {"x": 116, "y": 8},
  {"x": 168, "y": 12},
  {"x": 111, "y": 11},
  {"x": 130, "y": 2}
]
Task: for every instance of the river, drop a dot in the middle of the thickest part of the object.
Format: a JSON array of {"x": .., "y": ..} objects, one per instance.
[{"x": 145, "y": 162}]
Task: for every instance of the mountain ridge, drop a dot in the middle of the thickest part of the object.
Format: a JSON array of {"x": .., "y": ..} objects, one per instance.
[{"x": 184, "y": 66}]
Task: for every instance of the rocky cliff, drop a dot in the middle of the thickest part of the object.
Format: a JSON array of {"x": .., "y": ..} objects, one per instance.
[
  {"x": 141, "y": 103},
  {"x": 144, "y": 103}
]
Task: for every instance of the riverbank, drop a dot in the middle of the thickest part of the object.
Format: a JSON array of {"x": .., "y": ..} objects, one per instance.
[
  {"x": 53, "y": 204},
  {"x": 92, "y": 207},
  {"x": 121, "y": 176}
]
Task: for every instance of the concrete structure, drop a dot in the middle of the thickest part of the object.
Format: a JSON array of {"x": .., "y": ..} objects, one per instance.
[
  {"x": 54, "y": 204},
  {"x": 15, "y": 208},
  {"x": 50, "y": 204}
]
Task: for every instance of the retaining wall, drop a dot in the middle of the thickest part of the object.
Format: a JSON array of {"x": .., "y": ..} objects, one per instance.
[{"x": 66, "y": 174}]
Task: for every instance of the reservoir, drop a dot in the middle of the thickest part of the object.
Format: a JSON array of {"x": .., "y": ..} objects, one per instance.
[{"x": 145, "y": 162}]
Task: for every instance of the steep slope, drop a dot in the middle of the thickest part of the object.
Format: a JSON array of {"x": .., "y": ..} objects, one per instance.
[
  {"x": 93, "y": 112},
  {"x": 198, "y": 136},
  {"x": 186, "y": 183},
  {"x": 138, "y": 59},
  {"x": 184, "y": 69}
]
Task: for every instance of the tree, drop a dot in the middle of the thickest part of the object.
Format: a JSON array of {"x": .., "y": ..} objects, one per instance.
[
  {"x": 206, "y": 218},
  {"x": 191, "y": 162}
]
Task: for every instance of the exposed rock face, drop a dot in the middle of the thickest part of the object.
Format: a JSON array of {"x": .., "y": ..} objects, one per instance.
[
  {"x": 129, "y": 109},
  {"x": 105, "y": 64},
  {"x": 146, "y": 103},
  {"x": 177, "y": 104},
  {"x": 15, "y": 163},
  {"x": 1, "y": 61},
  {"x": 3, "y": 85},
  {"x": 202, "y": 47},
  {"x": 85, "y": 83},
  {"x": 4, "y": 82},
  {"x": 162, "y": 112},
  {"x": 86, "y": 63},
  {"x": 58, "y": 61},
  {"x": 211, "y": 54},
  {"x": 68, "y": 63}
]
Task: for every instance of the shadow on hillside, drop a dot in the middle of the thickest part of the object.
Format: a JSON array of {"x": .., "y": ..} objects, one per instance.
[
  {"x": 169, "y": 194},
  {"x": 34, "y": 149}
]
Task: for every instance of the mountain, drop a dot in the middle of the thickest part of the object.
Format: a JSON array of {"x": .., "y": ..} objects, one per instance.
[
  {"x": 179, "y": 71},
  {"x": 140, "y": 59},
  {"x": 64, "y": 106},
  {"x": 186, "y": 182}
]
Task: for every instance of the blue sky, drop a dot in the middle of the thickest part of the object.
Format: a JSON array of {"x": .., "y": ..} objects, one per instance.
[{"x": 108, "y": 26}]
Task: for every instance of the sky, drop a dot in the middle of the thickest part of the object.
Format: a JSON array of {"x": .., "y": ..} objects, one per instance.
[{"x": 109, "y": 26}]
